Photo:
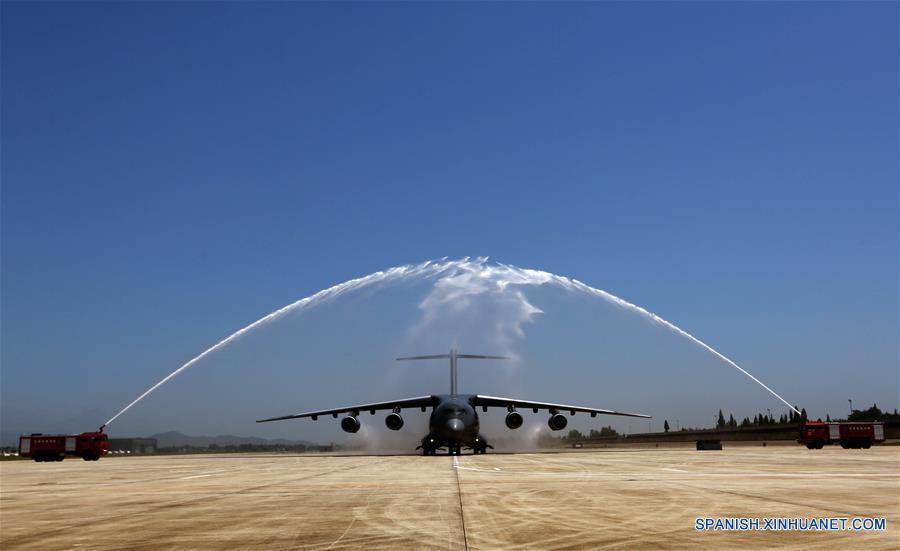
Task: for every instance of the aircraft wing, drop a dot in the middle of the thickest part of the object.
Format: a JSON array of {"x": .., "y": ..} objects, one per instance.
[
  {"x": 419, "y": 401},
  {"x": 497, "y": 401}
]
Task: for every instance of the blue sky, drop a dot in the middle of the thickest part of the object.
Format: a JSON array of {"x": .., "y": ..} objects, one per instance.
[{"x": 170, "y": 172}]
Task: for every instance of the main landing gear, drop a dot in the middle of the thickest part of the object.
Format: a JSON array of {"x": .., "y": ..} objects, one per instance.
[
  {"x": 430, "y": 446},
  {"x": 480, "y": 445}
]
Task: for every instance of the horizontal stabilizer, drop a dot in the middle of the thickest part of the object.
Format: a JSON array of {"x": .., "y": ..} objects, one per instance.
[{"x": 453, "y": 356}]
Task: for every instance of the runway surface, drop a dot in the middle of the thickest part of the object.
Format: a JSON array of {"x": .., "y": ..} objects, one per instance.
[{"x": 606, "y": 499}]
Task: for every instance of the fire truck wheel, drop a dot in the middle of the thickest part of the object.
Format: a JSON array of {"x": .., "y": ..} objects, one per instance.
[
  {"x": 811, "y": 446},
  {"x": 867, "y": 445}
]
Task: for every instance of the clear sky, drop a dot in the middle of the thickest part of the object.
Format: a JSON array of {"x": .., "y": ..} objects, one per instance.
[{"x": 172, "y": 171}]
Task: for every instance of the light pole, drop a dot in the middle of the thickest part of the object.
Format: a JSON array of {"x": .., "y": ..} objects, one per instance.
[{"x": 851, "y": 405}]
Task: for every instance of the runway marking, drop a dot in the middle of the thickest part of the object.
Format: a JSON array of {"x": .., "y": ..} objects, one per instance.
[
  {"x": 210, "y": 473},
  {"x": 650, "y": 475}
]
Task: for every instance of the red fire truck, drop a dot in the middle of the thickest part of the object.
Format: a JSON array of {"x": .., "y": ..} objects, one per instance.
[
  {"x": 44, "y": 447},
  {"x": 816, "y": 434}
]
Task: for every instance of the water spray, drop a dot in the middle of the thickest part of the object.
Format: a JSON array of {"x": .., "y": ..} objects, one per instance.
[{"x": 464, "y": 277}]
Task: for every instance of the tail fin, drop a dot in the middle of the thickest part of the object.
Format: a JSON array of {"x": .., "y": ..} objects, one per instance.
[{"x": 453, "y": 356}]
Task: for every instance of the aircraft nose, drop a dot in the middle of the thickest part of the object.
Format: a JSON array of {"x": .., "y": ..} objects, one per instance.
[{"x": 455, "y": 425}]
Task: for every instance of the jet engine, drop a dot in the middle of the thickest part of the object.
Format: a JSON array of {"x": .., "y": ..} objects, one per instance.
[
  {"x": 351, "y": 424},
  {"x": 514, "y": 420},
  {"x": 557, "y": 421},
  {"x": 393, "y": 421}
]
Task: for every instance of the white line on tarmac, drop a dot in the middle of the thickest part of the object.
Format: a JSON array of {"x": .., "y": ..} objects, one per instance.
[
  {"x": 690, "y": 475},
  {"x": 209, "y": 473}
]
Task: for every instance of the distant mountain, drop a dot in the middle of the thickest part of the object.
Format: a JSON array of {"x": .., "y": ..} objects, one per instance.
[{"x": 174, "y": 439}]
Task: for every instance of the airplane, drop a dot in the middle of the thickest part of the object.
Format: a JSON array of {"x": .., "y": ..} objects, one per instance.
[{"x": 454, "y": 421}]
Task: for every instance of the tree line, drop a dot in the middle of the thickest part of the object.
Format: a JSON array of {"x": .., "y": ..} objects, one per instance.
[
  {"x": 575, "y": 434},
  {"x": 792, "y": 417}
]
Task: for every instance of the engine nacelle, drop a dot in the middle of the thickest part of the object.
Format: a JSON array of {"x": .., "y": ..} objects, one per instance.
[
  {"x": 350, "y": 423},
  {"x": 393, "y": 421},
  {"x": 557, "y": 421},
  {"x": 514, "y": 420}
]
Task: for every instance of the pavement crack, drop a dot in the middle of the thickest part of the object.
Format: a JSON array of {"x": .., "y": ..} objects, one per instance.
[{"x": 462, "y": 514}]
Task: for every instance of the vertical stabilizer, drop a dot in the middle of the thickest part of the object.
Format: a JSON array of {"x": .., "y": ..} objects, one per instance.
[{"x": 453, "y": 372}]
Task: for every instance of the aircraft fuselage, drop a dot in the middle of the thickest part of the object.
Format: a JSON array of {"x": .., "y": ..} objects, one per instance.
[{"x": 453, "y": 425}]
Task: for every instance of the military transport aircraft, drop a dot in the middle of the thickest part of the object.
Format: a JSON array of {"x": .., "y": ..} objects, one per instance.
[{"x": 454, "y": 422}]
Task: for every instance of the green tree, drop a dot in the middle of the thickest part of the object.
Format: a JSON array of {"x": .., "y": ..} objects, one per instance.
[
  {"x": 575, "y": 435},
  {"x": 666, "y": 425},
  {"x": 608, "y": 431},
  {"x": 871, "y": 414},
  {"x": 720, "y": 424}
]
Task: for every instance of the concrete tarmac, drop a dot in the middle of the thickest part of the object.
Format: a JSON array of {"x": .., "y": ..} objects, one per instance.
[{"x": 603, "y": 499}]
